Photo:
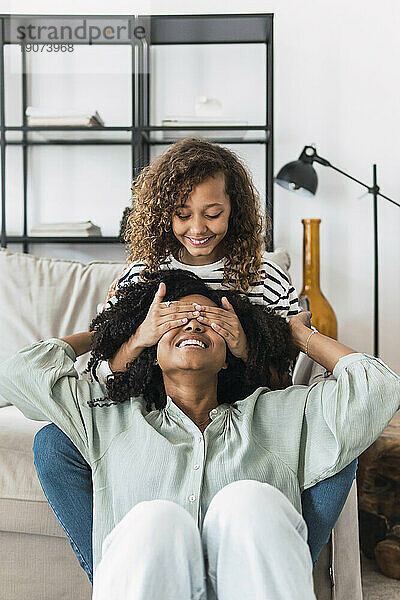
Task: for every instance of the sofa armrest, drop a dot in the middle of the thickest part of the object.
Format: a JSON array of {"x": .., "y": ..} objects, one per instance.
[{"x": 337, "y": 574}]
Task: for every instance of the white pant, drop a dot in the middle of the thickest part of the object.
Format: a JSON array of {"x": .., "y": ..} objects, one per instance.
[{"x": 253, "y": 547}]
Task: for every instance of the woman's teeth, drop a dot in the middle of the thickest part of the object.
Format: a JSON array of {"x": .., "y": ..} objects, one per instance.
[{"x": 200, "y": 242}]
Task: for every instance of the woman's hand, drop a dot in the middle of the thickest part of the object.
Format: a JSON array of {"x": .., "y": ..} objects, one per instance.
[
  {"x": 303, "y": 317},
  {"x": 160, "y": 318},
  {"x": 321, "y": 348},
  {"x": 225, "y": 322}
]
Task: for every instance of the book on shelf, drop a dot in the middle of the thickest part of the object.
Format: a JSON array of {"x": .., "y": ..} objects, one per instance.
[
  {"x": 73, "y": 118},
  {"x": 68, "y": 229},
  {"x": 78, "y": 121},
  {"x": 201, "y": 121}
]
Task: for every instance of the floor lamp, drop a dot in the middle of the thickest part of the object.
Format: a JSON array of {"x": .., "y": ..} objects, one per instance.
[{"x": 300, "y": 176}]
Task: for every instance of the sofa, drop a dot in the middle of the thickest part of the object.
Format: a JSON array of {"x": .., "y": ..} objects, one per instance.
[{"x": 43, "y": 298}]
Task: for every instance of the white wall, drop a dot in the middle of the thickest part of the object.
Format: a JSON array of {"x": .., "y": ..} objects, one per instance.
[{"x": 337, "y": 84}]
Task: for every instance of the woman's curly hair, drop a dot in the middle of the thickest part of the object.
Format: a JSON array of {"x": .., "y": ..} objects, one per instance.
[
  {"x": 268, "y": 336},
  {"x": 164, "y": 185}
]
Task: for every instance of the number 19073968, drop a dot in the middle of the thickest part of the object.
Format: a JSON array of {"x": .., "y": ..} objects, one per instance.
[{"x": 48, "y": 47}]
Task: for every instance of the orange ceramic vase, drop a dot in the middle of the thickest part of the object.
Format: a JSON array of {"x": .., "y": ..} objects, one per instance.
[{"x": 323, "y": 317}]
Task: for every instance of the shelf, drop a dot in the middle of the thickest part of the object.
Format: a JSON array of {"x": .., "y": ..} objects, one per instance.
[
  {"x": 252, "y": 134},
  {"x": 41, "y": 136},
  {"x": 113, "y": 142},
  {"x": 160, "y": 29},
  {"x": 208, "y": 29},
  {"x": 139, "y": 128},
  {"x": 219, "y": 140},
  {"x": 19, "y": 239},
  {"x": 66, "y": 128},
  {"x": 203, "y": 128},
  {"x": 152, "y": 135}
]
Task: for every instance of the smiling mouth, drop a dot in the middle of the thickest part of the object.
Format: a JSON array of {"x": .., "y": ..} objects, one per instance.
[
  {"x": 201, "y": 242},
  {"x": 191, "y": 343}
]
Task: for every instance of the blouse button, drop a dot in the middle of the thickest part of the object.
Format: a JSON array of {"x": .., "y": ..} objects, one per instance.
[
  {"x": 214, "y": 411},
  {"x": 192, "y": 498},
  {"x": 196, "y": 467}
]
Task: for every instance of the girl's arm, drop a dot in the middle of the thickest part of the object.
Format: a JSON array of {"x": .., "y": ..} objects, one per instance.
[
  {"x": 159, "y": 320},
  {"x": 123, "y": 355},
  {"x": 128, "y": 352}
]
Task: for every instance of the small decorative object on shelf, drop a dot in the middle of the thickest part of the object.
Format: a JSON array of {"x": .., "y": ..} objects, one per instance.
[
  {"x": 73, "y": 229},
  {"x": 323, "y": 317}
]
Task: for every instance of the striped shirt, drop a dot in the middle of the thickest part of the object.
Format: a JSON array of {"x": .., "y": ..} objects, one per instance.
[{"x": 274, "y": 288}]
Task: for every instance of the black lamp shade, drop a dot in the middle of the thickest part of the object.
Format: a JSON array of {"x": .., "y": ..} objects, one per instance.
[{"x": 298, "y": 176}]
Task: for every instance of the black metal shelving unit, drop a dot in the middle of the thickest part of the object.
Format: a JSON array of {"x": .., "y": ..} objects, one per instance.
[{"x": 158, "y": 30}]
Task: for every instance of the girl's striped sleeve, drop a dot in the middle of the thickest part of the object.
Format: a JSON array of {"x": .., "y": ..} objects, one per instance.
[{"x": 279, "y": 293}]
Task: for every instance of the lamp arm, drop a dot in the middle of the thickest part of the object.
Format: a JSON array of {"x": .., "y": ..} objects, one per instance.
[
  {"x": 371, "y": 190},
  {"x": 390, "y": 200}
]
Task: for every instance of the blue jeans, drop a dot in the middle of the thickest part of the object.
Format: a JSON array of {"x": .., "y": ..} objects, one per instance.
[{"x": 66, "y": 479}]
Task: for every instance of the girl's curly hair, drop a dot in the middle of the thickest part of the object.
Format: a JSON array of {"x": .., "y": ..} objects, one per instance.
[
  {"x": 164, "y": 185},
  {"x": 267, "y": 333}
]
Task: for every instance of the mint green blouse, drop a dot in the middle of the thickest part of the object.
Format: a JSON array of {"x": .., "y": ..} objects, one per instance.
[{"x": 289, "y": 438}]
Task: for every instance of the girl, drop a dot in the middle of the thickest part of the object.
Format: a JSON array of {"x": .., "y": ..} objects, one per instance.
[
  {"x": 195, "y": 208},
  {"x": 189, "y": 510}
]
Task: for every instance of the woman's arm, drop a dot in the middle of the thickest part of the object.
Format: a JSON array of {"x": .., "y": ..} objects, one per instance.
[
  {"x": 130, "y": 350},
  {"x": 344, "y": 415},
  {"x": 42, "y": 382},
  {"x": 321, "y": 348},
  {"x": 79, "y": 342}
]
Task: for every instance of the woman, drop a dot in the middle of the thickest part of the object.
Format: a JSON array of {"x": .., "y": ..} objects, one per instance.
[{"x": 173, "y": 437}]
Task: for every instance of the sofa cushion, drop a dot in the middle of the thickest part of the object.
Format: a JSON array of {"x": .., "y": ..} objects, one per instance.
[
  {"x": 43, "y": 297},
  {"x": 40, "y": 568},
  {"x": 16, "y": 457}
]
